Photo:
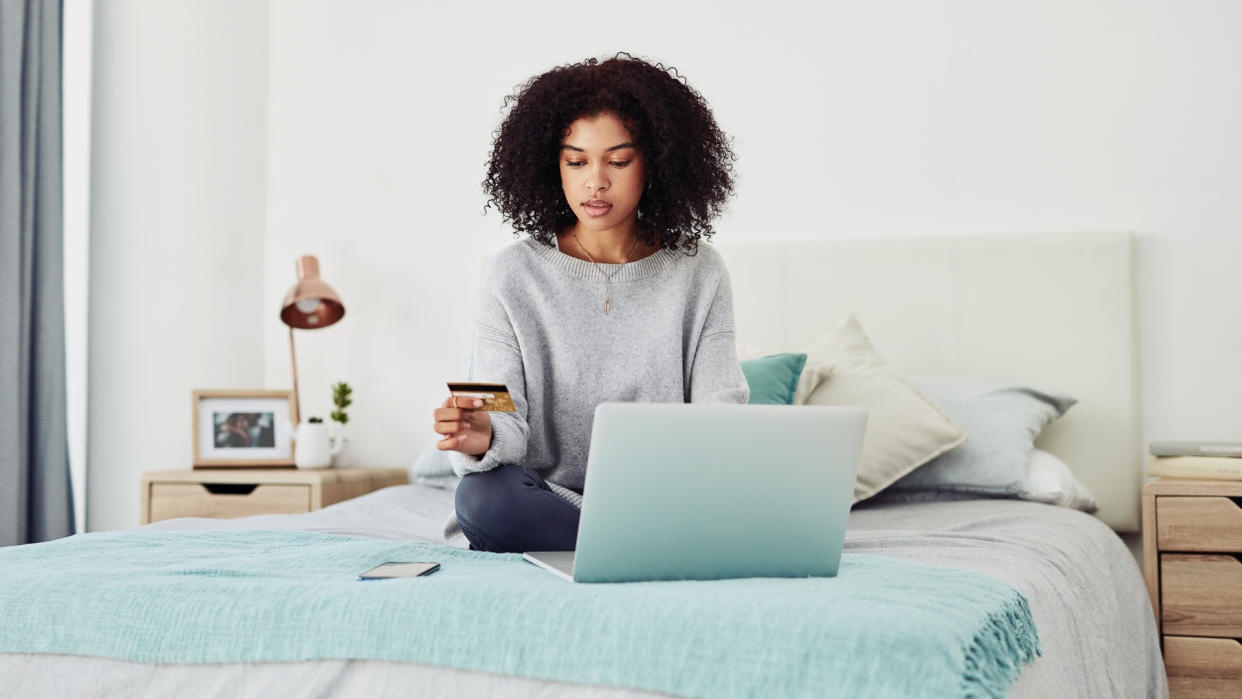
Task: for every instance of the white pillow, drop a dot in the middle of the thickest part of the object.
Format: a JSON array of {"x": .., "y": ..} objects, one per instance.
[
  {"x": 1050, "y": 480},
  {"x": 904, "y": 429}
]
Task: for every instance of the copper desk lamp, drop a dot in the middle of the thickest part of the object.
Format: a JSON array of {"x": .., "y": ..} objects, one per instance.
[{"x": 310, "y": 304}]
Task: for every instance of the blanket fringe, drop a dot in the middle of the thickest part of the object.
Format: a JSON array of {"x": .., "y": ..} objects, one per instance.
[{"x": 998, "y": 652}]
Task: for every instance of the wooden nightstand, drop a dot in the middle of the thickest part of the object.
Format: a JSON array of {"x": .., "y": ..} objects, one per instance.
[
  {"x": 234, "y": 492},
  {"x": 1192, "y": 539}
]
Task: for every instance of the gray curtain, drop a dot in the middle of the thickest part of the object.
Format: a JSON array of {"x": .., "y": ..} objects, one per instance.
[{"x": 36, "y": 503}]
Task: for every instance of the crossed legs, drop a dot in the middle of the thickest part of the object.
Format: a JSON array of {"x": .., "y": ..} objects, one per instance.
[{"x": 510, "y": 509}]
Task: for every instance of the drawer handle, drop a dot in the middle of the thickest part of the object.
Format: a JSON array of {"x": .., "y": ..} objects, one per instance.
[{"x": 230, "y": 488}]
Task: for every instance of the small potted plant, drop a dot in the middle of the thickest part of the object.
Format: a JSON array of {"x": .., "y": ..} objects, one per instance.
[
  {"x": 340, "y": 398},
  {"x": 317, "y": 445}
]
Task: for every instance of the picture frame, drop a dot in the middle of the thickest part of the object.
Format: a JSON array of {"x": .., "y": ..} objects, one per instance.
[{"x": 243, "y": 428}]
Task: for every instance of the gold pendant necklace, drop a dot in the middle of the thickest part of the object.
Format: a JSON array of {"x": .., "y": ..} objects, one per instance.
[{"x": 607, "y": 279}]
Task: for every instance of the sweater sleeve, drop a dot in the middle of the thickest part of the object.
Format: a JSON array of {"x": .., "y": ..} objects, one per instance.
[
  {"x": 716, "y": 376},
  {"x": 496, "y": 357}
]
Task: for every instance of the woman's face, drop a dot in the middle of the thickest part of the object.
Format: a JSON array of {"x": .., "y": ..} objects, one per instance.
[{"x": 602, "y": 172}]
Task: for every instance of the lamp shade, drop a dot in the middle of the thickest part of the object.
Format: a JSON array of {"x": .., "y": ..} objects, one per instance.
[{"x": 311, "y": 303}]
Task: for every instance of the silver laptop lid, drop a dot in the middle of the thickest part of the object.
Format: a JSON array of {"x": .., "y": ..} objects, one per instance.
[{"x": 701, "y": 491}]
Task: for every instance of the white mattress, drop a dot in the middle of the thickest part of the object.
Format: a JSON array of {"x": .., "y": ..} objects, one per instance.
[{"x": 1084, "y": 588}]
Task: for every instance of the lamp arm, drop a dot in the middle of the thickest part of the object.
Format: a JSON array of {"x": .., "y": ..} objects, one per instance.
[{"x": 297, "y": 400}]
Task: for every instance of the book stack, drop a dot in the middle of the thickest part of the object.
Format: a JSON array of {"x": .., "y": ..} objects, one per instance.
[{"x": 1216, "y": 460}]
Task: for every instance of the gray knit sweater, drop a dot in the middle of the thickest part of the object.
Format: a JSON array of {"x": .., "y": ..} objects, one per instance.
[{"x": 540, "y": 328}]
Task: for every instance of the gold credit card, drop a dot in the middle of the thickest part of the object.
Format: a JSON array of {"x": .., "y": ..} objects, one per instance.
[{"x": 495, "y": 396}]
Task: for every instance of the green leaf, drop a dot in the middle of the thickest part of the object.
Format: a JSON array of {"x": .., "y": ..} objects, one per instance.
[{"x": 340, "y": 397}]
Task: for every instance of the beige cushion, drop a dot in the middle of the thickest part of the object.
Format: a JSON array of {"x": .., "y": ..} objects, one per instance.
[{"x": 904, "y": 429}]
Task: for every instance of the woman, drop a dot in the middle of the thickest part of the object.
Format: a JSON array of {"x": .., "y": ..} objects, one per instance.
[{"x": 615, "y": 169}]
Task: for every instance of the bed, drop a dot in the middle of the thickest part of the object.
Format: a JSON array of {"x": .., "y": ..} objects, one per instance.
[{"x": 1056, "y": 310}]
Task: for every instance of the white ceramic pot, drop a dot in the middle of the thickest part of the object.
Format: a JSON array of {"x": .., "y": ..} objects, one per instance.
[{"x": 316, "y": 445}]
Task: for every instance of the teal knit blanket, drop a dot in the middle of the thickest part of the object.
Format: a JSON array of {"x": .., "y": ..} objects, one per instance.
[{"x": 882, "y": 627}]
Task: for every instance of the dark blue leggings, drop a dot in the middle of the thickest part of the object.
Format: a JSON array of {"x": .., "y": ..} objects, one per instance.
[{"x": 510, "y": 509}]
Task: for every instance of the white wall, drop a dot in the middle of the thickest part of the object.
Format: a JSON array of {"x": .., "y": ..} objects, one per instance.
[
  {"x": 851, "y": 119},
  {"x": 178, "y": 194},
  {"x": 76, "y": 66}
]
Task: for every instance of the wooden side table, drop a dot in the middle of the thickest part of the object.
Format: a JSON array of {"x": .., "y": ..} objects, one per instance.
[
  {"x": 234, "y": 492},
  {"x": 1192, "y": 541}
]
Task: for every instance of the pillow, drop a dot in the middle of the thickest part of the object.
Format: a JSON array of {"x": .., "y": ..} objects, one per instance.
[
  {"x": 1050, "y": 480},
  {"x": 909, "y": 497},
  {"x": 904, "y": 429},
  {"x": 774, "y": 379},
  {"x": 1003, "y": 422},
  {"x": 441, "y": 482},
  {"x": 813, "y": 372},
  {"x": 432, "y": 463}
]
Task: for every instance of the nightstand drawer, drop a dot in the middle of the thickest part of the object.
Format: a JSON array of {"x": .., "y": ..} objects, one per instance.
[
  {"x": 1199, "y": 523},
  {"x": 224, "y": 500},
  {"x": 1203, "y": 667},
  {"x": 1201, "y": 594}
]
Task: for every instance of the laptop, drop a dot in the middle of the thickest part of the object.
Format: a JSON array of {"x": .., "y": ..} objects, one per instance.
[{"x": 700, "y": 491}]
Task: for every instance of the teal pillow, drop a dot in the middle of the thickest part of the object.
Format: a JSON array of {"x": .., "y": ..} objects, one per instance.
[{"x": 774, "y": 378}]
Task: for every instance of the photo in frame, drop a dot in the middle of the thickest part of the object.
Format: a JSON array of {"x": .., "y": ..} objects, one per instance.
[{"x": 243, "y": 428}]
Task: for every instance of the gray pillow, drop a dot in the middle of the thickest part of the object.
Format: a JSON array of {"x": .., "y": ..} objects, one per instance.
[
  {"x": 432, "y": 463},
  {"x": 1001, "y": 423},
  {"x": 908, "y": 497}
]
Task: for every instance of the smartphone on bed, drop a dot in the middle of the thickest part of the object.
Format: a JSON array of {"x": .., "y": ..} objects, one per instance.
[{"x": 399, "y": 570}]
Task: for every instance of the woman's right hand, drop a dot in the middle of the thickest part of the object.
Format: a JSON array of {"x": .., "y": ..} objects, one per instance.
[{"x": 466, "y": 430}]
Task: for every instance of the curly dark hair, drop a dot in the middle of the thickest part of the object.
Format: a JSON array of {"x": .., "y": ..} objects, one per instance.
[{"x": 688, "y": 161}]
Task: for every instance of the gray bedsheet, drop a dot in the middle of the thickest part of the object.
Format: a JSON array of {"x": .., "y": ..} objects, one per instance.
[{"x": 1085, "y": 591}]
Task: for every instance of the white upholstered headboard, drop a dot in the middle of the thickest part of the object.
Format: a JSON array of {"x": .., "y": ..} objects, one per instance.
[{"x": 1050, "y": 311}]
